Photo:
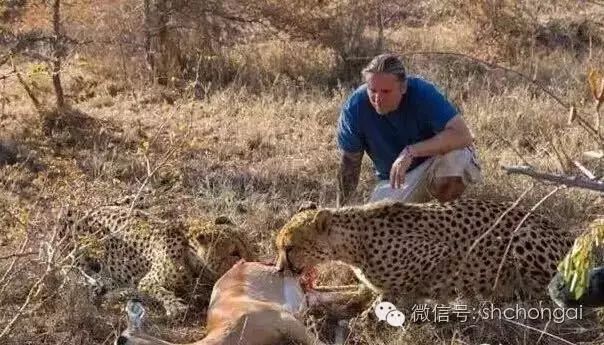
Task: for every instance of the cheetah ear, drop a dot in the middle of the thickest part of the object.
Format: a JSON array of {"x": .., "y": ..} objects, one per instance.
[
  {"x": 307, "y": 205},
  {"x": 203, "y": 238},
  {"x": 220, "y": 220},
  {"x": 321, "y": 219}
]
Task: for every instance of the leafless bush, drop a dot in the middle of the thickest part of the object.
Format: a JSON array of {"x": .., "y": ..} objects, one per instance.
[
  {"x": 506, "y": 25},
  {"x": 339, "y": 25}
]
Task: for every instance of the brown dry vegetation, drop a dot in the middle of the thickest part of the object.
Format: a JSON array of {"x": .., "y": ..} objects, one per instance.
[{"x": 259, "y": 137}]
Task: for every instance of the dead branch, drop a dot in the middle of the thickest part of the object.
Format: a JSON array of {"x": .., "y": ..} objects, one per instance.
[
  {"x": 6, "y": 76},
  {"x": 499, "y": 219},
  {"x": 17, "y": 255},
  {"x": 569, "y": 181},
  {"x": 3, "y": 98},
  {"x": 32, "y": 292},
  {"x": 560, "y": 155},
  {"x": 36, "y": 56},
  {"x": 173, "y": 149},
  {"x": 56, "y": 63},
  {"x": 484, "y": 63},
  {"x": 512, "y": 147},
  {"x": 28, "y": 90},
  {"x": 593, "y": 154},
  {"x": 8, "y": 271},
  {"x": 4, "y": 59},
  {"x": 580, "y": 117},
  {"x": 518, "y": 227},
  {"x": 595, "y": 2},
  {"x": 590, "y": 175},
  {"x": 9, "y": 274},
  {"x": 542, "y": 332},
  {"x": 23, "y": 43}
]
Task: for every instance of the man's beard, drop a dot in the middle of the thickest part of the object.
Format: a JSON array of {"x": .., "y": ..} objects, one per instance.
[{"x": 383, "y": 112}]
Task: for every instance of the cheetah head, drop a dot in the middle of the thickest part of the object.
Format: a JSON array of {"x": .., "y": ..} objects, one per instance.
[
  {"x": 304, "y": 241},
  {"x": 219, "y": 244}
]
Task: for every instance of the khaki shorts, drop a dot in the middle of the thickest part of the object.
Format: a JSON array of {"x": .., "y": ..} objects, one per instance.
[{"x": 461, "y": 163}]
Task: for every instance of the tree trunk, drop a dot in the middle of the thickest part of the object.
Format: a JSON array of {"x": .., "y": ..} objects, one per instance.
[
  {"x": 57, "y": 47},
  {"x": 161, "y": 27},
  {"x": 148, "y": 24},
  {"x": 379, "y": 45}
]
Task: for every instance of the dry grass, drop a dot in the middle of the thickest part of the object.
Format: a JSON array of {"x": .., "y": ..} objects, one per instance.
[{"x": 260, "y": 142}]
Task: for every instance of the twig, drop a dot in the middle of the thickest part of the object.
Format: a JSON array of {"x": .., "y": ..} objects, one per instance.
[
  {"x": 125, "y": 71},
  {"x": 14, "y": 275},
  {"x": 18, "y": 255},
  {"x": 540, "y": 331},
  {"x": 487, "y": 64},
  {"x": 6, "y": 76},
  {"x": 120, "y": 228},
  {"x": 570, "y": 181},
  {"x": 500, "y": 137},
  {"x": 528, "y": 214},
  {"x": 4, "y": 59},
  {"x": 590, "y": 175},
  {"x": 4, "y": 99},
  {"x": 36, "y": 56},
  {"x": 12, "y": 264},
  {"x": 593, "y": 154},
  {"x": 28, "y": 90},
  {"x": 586, "y": 125},
  {"x": 337, "y": 288},
  {"x": 508, "y": 210},
  {"x": 590, "y": 130},
  {"x": 17, "y": 219},
  {"x": 34, "y": 288},
  {"x": 112, "y": 231},
  {"x": 33, "y": 291},
  {"x": 597, "y": 106},
  {"x": 197, "y": 84},
  {"x": 150, "y": 173},
  {"x": 543, "y": 332},
  {"x": 560, "y": 155}
]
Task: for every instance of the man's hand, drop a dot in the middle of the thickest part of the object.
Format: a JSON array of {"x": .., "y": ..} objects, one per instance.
[{"x": 399, "y": 168}]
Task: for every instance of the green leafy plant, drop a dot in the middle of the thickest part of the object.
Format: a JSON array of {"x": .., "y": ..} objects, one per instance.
[{"x": 577, "y": 263}]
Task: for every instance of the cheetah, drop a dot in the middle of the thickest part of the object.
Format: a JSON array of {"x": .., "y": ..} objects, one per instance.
[
  {"x": 123, "y": 250},
  {"x": 435, "y": 252}
]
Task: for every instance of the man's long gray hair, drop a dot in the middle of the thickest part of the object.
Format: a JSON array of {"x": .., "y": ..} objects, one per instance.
[{"x": 386, "y": 63}]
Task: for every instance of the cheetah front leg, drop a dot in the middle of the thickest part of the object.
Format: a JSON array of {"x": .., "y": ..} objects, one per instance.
[
  {"x": 154, "y": 285},
  {"x": 101, "y": 285},
  {"x": 403, "y": 292},
  {"x": 377, "y": 299},
  {"x": 294, "y": 330},
  {"x": 99, "y": 281},
  {"x": 339, "y": 304}
]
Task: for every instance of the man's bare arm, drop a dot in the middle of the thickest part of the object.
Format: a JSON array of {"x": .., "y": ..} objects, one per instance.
[
  {"x": 456, "y": 135},
  {"x": 348, "y": 176}
]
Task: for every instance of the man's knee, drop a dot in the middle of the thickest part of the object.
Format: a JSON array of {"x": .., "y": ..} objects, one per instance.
[{"x": 447, "y": 188}]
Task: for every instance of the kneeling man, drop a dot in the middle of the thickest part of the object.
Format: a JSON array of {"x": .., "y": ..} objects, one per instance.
[{"x": 420, "y": 146}]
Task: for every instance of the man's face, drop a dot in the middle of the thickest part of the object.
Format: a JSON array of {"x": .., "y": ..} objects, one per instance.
[{"x": 385, "y": 91}]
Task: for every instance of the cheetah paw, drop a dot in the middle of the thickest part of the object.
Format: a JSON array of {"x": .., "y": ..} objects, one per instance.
[{"x": 176, "y": 310}]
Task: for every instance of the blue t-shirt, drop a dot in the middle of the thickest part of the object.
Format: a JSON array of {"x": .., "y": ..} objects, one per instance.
[{"x": 423, "y": 112}]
